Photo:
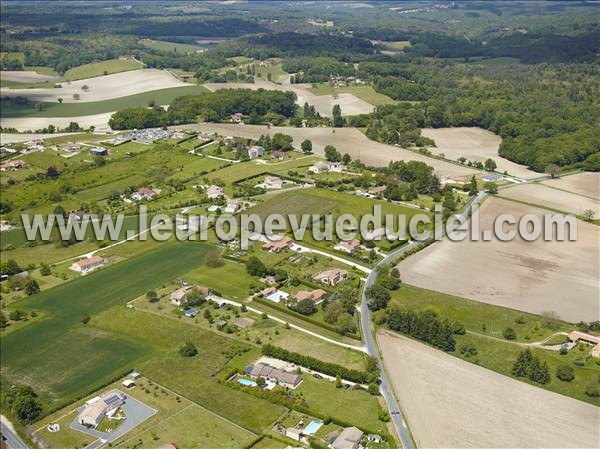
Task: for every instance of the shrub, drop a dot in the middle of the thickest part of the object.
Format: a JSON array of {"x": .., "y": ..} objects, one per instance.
[
  {"x": 188, "y": 350},
  {"x": 509, "y": 333},
  {"x": 565, "y": 373}
]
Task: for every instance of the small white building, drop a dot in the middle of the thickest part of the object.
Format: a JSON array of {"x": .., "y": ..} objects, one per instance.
[
  {"x": 214, "y": 192},
  {"x": 232, "y": 207},
  {"x": 273, "y": 182}
]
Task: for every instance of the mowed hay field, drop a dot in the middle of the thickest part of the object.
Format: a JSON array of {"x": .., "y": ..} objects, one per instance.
[
  {"x": 587, "y": 184},
  {"x": 101, "y": 68},
  {"x": 545, "y": 196},
  {"x": 102, "y": 87},
  {"x": 346, "y": 140},
  {"x": 475, "y": 144},
  {"x": 533, "y": 277},
  {"x": 61, "y": 357},
  {"x": 453, "y": 403}
]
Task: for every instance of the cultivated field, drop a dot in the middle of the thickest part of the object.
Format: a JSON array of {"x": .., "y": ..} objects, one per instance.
[
  {"x": 14, "y": 138},
  {"x": 99, "y": 121},
  {"x": 102, "y": 87},
  {"x": 475, "y": 144},
  {"x": 587, "y": 184},
  {"x": 346, "y": 140},
  {"x": 545, "y": 196},
  {"x": 530, "y": 276},
  {"x": 101, "y": 68},
  {"x": 25, "y": 76},
  {"x": 349, "y": 104},
  {"x": 452, "y": 403}
]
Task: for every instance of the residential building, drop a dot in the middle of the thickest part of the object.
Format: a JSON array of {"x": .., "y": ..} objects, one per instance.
[
  {"x": 128, "y": 383},
  {"x": 275, "y": 375},
  {"x": 144, "y": 193},
  {"x": 594, "y": 340},
  {"x": 317, "y": 296},
  {"x": 268, "y": 291},
  {"x": 73, "y": 148},
  {"x": 97, "y": 408},
  {"x": 88, "y": 264},
  {"x": 237, "y": 117},
  {"x": 332, "y": 276},
  {"x": 273, "y": 182},
  {"x": 232, "y": 207},
  {"x": 179, "y": 296},
  {"x": 281, "y": 155},
  {"x": 214, "y": 192},
  {"x": 255, "y": 151},
  {"x": 378, "y": 191},
  {"x": 190, "y": 313},
  {"x": 325, "y": 167},
  {"x": 99, "y": 151},
  {"x": 78, "y": 215},
  {"x": 349, "y": 438},
  {"x": 279, "y": 245},
  {"x": 458, "y": 180},
  {"x": 348, "y": 246},
  {"x": 16, "y": 164}
]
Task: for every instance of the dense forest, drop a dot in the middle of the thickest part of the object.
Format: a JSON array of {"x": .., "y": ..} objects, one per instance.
[{"x": 258, "y": 105}]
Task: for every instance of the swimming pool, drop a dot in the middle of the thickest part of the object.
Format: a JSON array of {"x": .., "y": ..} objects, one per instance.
[
  {"x": 312, "y": 427},
  {"x": 247, "y": 383}
]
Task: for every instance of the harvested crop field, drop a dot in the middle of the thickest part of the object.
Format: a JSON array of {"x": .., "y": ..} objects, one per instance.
[
  {"x": 350, "y": 104},
  {"x": 100, "y": 121},
  {"x": 475, "y": 144},
  {"x": 587, "y": 184},
  {"x": 6, "y": 138},
  {"x": 25, "y": 76},
  {"x": 346, "y": 140},
  {"x": 545, "y": 196},
  {"x": 534, "y": 276},
  {"x": 102, "y": 87},
  {"x": 441, "y": 393}
]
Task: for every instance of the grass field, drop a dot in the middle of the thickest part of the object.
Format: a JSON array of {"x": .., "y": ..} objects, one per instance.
[
  {"x": 101, "y": 68},
  {"x": 477, "y": 317},
  {"x": 366, "y": 93},
  {"x": 88, "y": 356},
  {"x": 160, "y": 97}
]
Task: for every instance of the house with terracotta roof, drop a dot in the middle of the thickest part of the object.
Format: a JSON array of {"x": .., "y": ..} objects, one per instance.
[
  {"x": 237, "y": 117},
  {"x": 87, "y": 264},
  {"x": 144, "y": 193},
  {"x": 16, "y": 164},
  {"x": 275, "y": 375},
  {"x": 594, "y": 340},
  {"x": 332, "y": 276},
  {"x": 278, "y": 245},
  {"x": 281, "y": 155},
  {"x": 348, "y": 246},
  {"x": 214, "y": 192},
  {"x": 317, "y": 296}
]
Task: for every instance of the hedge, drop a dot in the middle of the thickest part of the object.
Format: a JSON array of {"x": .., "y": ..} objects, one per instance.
[{"x": 331, "y": 369}]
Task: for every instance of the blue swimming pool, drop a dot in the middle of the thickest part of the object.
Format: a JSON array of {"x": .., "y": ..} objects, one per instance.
[
  {"x": 247, "y": 383},
  {"x": 312, "y": 427}
]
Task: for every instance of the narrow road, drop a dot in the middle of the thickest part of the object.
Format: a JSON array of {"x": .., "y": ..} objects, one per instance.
[
  {"x": 396, "y": 414},
  {"x": 10, "y": 438}
]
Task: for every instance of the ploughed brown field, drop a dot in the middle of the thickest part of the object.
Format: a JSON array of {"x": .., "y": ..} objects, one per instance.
[
  {"x": 534, "y": 276},
  {"x": 452, "y": 403},
  {"x": 475, "y": 144},
  {"x": 545, "y": 196},
  {"x": 587, "y": 184}
]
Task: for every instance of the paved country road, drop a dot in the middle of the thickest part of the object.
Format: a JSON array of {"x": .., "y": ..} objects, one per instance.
[
  {"x": 365, "y": 322},
  {"x": 10, "y": 438}
]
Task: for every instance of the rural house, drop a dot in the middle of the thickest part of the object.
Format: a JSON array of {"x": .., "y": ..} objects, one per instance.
[
  {"x": 273, "y": 182},
  {"x": 348, "y": 246},
  {"x": 179, "y": 296},
  {"x": 97, "y": 408},
  {"x": 17, "y": 164},
  {"x": 281, "y": 155},
  {"x": 99, "y": 151},
  {"x": 255, "y": 151},
  {"x": 237, "y": 117},
  {"x": 144, "y": 193},
  {"x": 274, "y": 375},
  {"x": 350, "y": 438},
  {"x": 88, "y": 264},
  {"x": 594, "y": 340},
  {"x": 214, "y": 192},
  {"x": 279, "y": 245},
  {"x": 331, "y": 277},
  {"x": 316, "y": 296}
]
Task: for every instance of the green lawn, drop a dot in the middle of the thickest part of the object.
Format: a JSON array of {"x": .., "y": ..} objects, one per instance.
[
  {"x": 476, "y": 316},
  {"x": 347, "y": 405},
  {"x": 101, "y": 68},
  {"x": 62, "y": 358},
  {"x": 366, "y": 93},
  {"x": 160, "y": 97}
]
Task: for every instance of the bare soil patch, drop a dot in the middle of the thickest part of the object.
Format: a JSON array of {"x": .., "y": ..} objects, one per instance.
[
  {"x": 475, "y": 144},
  {"x": 350, "y": 104},
  {"x": 102, "y": 87},
  {"x": 453, "y": 403},
  {"x": 25, "y": 76},
  {"x": 346, "y": 140},
  {"x": 587, "y": 184},
  {"x": 545, "y": 196},
  {"x": 535, "y": 277}
]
